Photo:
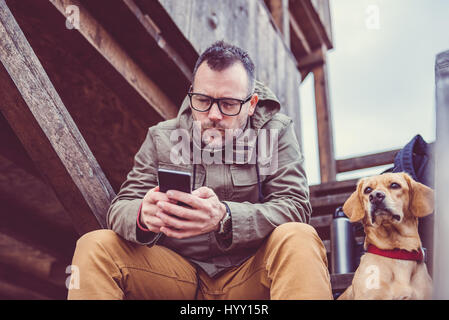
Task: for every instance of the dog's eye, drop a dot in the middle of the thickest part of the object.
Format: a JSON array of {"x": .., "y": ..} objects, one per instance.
[
  {"x": 395, "y": 185},
  {"x": 367, "y": 190}
]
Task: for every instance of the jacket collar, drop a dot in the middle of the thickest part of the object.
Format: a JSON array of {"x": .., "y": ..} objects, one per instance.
[{"x": 415, "y": 255}]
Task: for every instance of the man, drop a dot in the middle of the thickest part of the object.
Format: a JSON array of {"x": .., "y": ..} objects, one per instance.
[{"x": 244, "y": 235}]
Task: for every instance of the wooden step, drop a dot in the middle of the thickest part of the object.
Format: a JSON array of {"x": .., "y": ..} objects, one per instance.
[
  {"x": 321, "y": 221},
  {"x": 341, "y": 281},
  {"x": 334, "y": 200},
  {"x": 327, "y": 243},
  {"x": 334, "y": 187}
]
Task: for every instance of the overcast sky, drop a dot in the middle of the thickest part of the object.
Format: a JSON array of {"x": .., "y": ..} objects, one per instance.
[{"x": 381, "y": 77}]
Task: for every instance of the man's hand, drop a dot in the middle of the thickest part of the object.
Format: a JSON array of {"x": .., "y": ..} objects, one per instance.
[
  {"x": 149, "y": 210},
  {"x": 181, "y": 222}
]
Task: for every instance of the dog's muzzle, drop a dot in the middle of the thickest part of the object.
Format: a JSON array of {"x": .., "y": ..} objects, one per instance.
[{"x": 378, "y": 207}]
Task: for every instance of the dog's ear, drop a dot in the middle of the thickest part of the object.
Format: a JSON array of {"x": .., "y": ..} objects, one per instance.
[
  {"x": 422, "y": 199},
  {"x": 353, "y": 207}
]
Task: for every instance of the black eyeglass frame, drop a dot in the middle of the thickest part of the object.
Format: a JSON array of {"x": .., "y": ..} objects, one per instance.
[{"x": 217, "y": 100}]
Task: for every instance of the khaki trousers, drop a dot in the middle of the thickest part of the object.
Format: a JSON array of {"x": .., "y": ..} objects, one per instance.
[{"x": 290, "y": 264}]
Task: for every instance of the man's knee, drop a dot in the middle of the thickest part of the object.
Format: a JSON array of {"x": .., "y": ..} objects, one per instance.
[
  {"x": 96, "y": 239},
  {"x": 295, "y": 231}
]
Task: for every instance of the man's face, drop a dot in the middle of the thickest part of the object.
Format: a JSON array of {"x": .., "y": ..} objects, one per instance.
[{"x": 231, "y": 82}]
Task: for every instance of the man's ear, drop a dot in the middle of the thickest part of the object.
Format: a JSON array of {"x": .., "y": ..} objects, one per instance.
[
  {"x": 353, "y": 207},
  {"x": 422, "y": 198},
  {"x": 253, "y": 104}
]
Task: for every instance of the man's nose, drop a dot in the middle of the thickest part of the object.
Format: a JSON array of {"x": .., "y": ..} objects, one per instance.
[
  {"x": 214, "y": 113},
  {"x": 376, "y": 197}
]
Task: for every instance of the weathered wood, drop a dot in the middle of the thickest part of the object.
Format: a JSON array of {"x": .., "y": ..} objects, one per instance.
[
  {"x": 330, "y": 200},
  {"x": 100, "y": 39},
  {"x": 10, "y": 291},
  {"x": 32, "y": 213},
  {"x": 12, "y": 149},
  {"x": 26, "y": 286},
  {"x": 152, "y": 28},
  {"x": 312, "y": 60},
  {"x": 368, "y": 161},
  {"x": 333, "y": 187},
  {"x": 111, "y": 115},
  {"x": 48, "y": 133},
  {"x": 27, "y": 259},
  {"x": 280, "y": 16},
  {"x": 298, "y": 37},
  {"x": 327, "y": 243},
  {"x": 321, "y": 221},
  {"x": 340, "y": 282},
  {"x": 323, "y": 10},
  {"x": 309, "y": 19},
  {"x": 328, "y": 168}
]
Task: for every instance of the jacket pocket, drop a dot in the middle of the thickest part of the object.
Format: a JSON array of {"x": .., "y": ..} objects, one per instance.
[{"x": 244, "y": 180}]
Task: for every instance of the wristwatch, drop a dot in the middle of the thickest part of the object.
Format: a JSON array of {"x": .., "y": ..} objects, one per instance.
[{"x": 226, "y": 222}]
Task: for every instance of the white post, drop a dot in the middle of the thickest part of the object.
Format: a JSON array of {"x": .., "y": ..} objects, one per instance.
[{"x": 441, "y": 234}]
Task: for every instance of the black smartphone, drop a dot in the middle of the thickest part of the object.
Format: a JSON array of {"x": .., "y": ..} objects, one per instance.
[{"x": 174, "y": 180}]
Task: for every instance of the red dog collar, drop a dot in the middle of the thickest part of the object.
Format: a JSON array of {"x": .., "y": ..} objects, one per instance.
[{"x": 397, "y": 253}]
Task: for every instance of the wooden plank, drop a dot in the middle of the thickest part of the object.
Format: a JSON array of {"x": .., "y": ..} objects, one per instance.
[
  {"x": 40, "y": 120},
  {"x": 333, "y": 187},
  {"x": 305, "y": 10},
  {"x": 323, "y": 10},
  {"x": 152, "y": 28},
  {"x": 321, "y": 221},
  {"x": 29, "y": 260},
  {"x": 340, "y": 282},
  {"x": 312, "y": 60},
  {"x": 25, "y": 286},
  {"x": 111, "y": 115},
  {"x": 367, "y": 161},
  {"x": 329, "y": 200},
  {"x": 327, "y": 243},
  {"x": 299, "y": 35},
  {"x": 280, "y": 17},
  {"x": 173, "y": 30},
  {"x": 101, "y": 40},
  {"x": 12, "y": 149},
  {"x": 11, "y": 291},
  {"x": 40, "y": 209},
  {"x": 328, "y": 168}
]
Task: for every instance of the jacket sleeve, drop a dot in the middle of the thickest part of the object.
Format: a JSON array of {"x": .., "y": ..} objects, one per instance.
[
  {"x": 123, "y": 211},
  {"x": 286, "y": 195}
]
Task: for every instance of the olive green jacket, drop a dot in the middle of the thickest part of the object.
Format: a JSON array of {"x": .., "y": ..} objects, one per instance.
[{"x": 284, "y": 188}]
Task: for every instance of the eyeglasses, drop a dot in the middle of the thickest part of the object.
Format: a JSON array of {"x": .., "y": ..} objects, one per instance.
[{"x": 227, "y": 106}]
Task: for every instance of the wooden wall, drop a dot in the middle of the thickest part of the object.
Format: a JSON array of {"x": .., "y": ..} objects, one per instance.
[{"x": 244, "y": 23}]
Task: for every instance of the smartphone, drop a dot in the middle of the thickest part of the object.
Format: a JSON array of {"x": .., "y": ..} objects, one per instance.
[{"x": 174, "y": 180}]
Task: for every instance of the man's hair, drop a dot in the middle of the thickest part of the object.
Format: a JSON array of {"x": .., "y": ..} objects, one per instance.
[{"x": 221, "y": 55}]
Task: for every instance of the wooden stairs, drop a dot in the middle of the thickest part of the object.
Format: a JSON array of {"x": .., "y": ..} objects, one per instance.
[{"x": 325, "y": 199}]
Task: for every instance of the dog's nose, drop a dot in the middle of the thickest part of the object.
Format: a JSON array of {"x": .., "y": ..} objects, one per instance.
[{"x": 376, "y": 197}]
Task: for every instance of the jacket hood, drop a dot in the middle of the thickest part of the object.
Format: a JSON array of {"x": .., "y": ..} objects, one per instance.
[{"x": 267, "y": 107}]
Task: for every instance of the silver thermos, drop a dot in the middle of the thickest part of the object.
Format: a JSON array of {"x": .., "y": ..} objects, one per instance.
[{"x": 342, "y": 243}]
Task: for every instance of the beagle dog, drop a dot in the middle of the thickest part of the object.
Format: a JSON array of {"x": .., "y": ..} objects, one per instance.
[{"x": 389, "y": 206}]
